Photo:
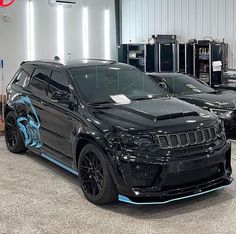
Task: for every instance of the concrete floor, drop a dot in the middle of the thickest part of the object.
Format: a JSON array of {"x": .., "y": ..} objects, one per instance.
[{"x": 39, "y": 197}]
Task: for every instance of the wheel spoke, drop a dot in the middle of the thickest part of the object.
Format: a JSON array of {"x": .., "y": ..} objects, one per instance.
[
  {"x": 11, "y": 131},
  {"x": 92, "y": 173}
]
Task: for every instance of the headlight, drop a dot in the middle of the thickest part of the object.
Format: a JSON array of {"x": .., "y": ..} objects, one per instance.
[
  {"x": 222, "y": 113},
  {"x": 136, "y": 140},
  {"x": 220, "y": 129}
]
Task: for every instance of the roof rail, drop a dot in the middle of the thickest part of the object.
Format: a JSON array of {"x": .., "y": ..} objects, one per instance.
[{"x": 108, "y": 60}]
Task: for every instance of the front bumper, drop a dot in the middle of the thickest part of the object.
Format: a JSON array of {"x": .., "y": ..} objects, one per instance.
[{"x": 170, "y": 180}]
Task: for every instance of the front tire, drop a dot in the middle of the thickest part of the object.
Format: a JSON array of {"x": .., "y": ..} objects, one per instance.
[
  {"x": 95, "y": 178},
  {"x": 13, "y": 137}
]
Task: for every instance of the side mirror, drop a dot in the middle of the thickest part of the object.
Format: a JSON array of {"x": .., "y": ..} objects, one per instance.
[
  {"x": 163, "y": 86},
  {"x": 63, "y": 97},
  {"x": 60, "y": 96}
]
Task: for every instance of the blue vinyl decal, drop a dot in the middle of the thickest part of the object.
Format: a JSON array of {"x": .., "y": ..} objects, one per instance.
[{"x": 29, "y": 125}]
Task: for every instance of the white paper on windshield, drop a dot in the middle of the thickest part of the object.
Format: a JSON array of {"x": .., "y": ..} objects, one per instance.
[{"x": 120, "y": 99}]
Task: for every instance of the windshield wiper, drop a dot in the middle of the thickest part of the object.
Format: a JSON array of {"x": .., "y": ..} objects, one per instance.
[
  {"x": 147, "y": 98},
  {"x": 100, "y": 103},
  {"x": 214, "y": 91}
]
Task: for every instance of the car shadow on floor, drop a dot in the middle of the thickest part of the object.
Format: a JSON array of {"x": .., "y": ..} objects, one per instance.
[{"x": 140, "y": 211}]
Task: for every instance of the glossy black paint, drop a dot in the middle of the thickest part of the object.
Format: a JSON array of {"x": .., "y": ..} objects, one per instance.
[
  {"x": 140, "y": 171},
  {"x": 218, "y": 100}
]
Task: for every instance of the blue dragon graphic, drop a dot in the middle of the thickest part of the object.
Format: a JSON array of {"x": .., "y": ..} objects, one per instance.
[{"x": 29, "y": 125}]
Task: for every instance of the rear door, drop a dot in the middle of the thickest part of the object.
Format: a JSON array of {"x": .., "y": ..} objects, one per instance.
[{"x": 37, "y": 95}]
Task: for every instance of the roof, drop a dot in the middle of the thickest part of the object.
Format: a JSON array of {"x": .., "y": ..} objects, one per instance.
[{"x": 71, "y": 63}]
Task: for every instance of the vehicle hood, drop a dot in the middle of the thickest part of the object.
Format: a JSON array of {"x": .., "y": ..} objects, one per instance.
[
  {"x": 166, "y": 114},
  {"x": 221, "y": 100}
]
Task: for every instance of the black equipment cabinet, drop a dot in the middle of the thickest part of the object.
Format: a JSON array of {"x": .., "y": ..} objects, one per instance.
[
  {"x": 150, "y": 58},
  {"x": 190, "y": 63},
  {"x": 186, "y": 58},
  {"x": 206, "y": 55},
  {"x": 122, "y": 53},
  {"x": 165, "y": 57},
  {"x": 182, "y": 57},
  {"x": 138, "y": 55}
]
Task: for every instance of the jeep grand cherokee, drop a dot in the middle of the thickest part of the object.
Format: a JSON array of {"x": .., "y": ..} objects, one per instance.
[{"x": 117, "y": 130}]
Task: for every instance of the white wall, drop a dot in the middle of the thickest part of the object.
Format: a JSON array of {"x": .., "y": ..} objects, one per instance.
[
  {"x": 187, "y": 19},
  {"x": 13, "y": 34}
]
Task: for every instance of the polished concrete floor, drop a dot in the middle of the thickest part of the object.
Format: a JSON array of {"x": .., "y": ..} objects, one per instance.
[{"x": 39, "y": 197}]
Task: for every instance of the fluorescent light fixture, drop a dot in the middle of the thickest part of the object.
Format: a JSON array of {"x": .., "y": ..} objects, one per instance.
[
  {"x": 107, "y": 40},
  {"x": 30, "y": 31},
  {"x": 60, "y": 32},
  {"x": 85, "y": 33}
]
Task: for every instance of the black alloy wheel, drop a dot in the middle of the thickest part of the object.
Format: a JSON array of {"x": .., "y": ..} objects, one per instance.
[
  {"x": 92, "y": 174},
  {"x": 95, "y": 178},
  {"x": 11, "y": 131},
  {"x": 13, "y": 138}
]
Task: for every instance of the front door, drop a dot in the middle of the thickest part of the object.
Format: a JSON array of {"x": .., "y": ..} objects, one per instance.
[{"x": 58, "y": 121}]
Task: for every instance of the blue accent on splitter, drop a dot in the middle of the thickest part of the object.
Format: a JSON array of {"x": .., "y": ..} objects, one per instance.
[
  {"x": 125, "y": 199},
  {"x": 51, "y": 159}
]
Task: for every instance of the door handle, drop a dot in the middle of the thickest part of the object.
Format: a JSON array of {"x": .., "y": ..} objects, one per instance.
[{"x": 43, "y": 103}]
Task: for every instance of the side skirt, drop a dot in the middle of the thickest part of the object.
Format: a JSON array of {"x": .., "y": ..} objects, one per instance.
[{"x": 51, "y": 159}]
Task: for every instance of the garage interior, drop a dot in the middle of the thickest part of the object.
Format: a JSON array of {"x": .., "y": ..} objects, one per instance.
[{"x": 194, "y": 37}]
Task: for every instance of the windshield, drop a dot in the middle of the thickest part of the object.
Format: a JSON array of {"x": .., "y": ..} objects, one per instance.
[
  {"x": 183, "y": 84},
  {"x": 100, "y": 83}
]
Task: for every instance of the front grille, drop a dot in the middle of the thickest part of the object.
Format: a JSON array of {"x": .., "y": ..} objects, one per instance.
[
  {"x": 200, "y": 137},
  {"x": 207, "y": 135},
  {"x": 163, "y": 141},
  {"x": 192, "y": 138},
  {"x": 184, "y": 139},
  {"x": 174, "y": 140}
]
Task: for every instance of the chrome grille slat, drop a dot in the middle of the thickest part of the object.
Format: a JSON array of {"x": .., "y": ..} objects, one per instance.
[{"x": 183, "y": 139}]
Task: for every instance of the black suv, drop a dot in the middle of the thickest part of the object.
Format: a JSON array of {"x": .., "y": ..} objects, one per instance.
[{"x": 113, "y": 126}]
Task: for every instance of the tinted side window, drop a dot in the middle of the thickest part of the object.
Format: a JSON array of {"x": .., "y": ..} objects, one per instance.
[
  {"x": 58, "y": 82},
  {"x": 39, "y": 81},
  {"x": 28, "y": 69},
  {"x": 21, "y": 78}
]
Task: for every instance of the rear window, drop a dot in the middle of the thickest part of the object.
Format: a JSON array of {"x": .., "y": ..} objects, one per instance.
[
  {"x": 21, "y": 78},
  {"x": 23, "y": 75}
]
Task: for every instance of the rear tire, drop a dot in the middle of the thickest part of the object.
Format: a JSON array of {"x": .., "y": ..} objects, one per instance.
[
  {"x": 13, "y": 137},
  {"x": 95, "y": 178}
]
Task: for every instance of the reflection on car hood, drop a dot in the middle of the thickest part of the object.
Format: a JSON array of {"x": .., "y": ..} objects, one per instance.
[
  {"x": 168, "y": 113},
  {"x": 221, "y": 99}
]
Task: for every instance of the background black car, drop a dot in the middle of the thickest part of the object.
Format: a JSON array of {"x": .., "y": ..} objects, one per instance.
[
  {"x": 189, "y": 89},
  {"x": 112, "y": 125}
]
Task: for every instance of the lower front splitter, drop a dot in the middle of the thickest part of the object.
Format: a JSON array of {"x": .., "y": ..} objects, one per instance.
[{"x": 125, "y": 199}]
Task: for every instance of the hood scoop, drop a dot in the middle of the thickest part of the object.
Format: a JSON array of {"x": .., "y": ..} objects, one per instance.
[
  {"x": 162, "y": 117},
  {"x": 176, "y": 115}
]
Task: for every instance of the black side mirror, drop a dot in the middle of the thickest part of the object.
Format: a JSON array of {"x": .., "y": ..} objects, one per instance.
[
  {"x": 63, "y": 97},
  {"x": 60, "y": 96},
  {"x": 163, "y": 86}
]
